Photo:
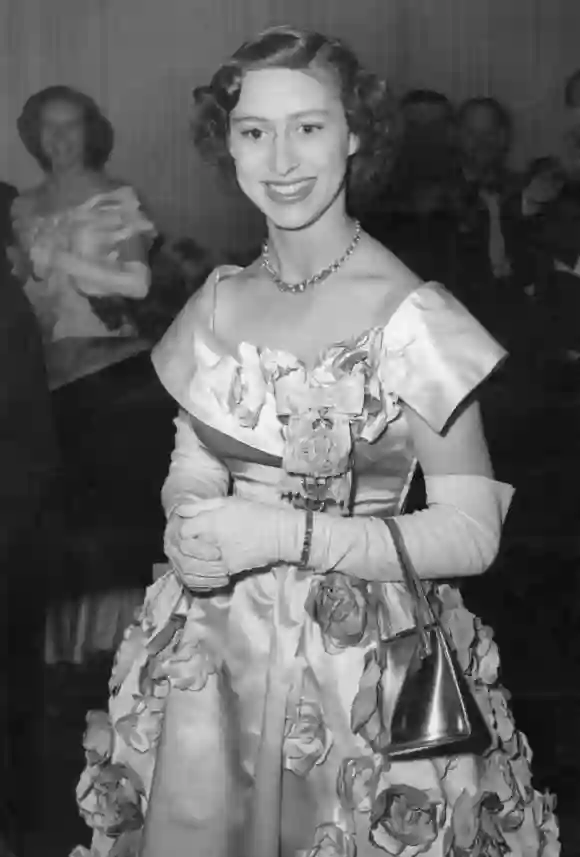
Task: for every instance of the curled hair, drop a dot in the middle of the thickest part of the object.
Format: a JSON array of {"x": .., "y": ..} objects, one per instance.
[
  {"x": 99, "y": 134},
  {"x": 369, "y": 108}
]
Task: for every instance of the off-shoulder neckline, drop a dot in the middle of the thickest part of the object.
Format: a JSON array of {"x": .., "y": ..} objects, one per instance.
[
  {"x": 90, "y": 201},
  {"x": 366, "y": 334}
]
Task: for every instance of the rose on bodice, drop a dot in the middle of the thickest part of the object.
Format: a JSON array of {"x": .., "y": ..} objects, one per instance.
[{"x": 339, "y": 606}]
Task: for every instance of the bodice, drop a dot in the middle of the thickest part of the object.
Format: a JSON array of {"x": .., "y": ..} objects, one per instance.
[
  {"x": 335, "y": 433},
  {"x": 91, "y": 232}
]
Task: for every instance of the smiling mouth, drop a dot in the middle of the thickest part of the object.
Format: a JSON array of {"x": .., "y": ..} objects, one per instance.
[
  {"x": 289, "y": 193},
  {"x": 289, "y": 187}
]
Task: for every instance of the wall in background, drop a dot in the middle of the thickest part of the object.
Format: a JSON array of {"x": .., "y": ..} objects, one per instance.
[{"x": 141, "y": 58}]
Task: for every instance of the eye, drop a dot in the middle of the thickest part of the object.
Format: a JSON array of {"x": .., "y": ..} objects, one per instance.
[
  {"x": 252, "y": 133},
  {"x": 309, "y": 128}
]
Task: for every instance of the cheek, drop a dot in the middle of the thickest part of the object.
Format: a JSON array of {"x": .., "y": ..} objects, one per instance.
[
  {"x": 249, "y": 164},
  {"x": 76, "y": 137}
]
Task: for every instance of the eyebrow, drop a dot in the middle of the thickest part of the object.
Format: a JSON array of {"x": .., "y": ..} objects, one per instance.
[{"x": 236, "y": 120}]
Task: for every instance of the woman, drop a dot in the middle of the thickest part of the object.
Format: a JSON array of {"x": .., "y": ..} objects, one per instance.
[
  {"x": 83, "y": 238},
  {"x": 82, "y": 244},
  {"x": 314, "y": 378}
]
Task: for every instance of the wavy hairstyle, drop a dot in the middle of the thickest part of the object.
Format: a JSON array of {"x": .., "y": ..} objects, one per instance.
[
  {"x": 369, "y": 108},
  {"x": 99, "y": 133}
]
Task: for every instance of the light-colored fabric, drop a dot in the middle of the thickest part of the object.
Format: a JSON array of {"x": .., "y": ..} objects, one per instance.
[
  {"x": 194, "y": 475},
  {"x": 89, "y": 235},
  {"x": 245, "y": 723},
  {"x": 431, "y": 354},
  {"x": 457, "y": 535}
]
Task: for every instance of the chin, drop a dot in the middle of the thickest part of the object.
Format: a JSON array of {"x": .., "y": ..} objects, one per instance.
[
  {"x": 292, "y": 222},
  {"x": 294, "y": 218}
]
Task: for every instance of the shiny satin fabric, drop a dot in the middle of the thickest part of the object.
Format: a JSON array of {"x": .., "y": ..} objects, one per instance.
[
  {"x": 262, "y": 634},
  {"x": 234, "y": 731},
  {"x": 431, "y": 354},
  {"x": 223, "y": 783}
]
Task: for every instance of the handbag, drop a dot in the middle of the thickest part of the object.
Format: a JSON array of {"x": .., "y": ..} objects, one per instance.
[{"x": 425, "y": 696}]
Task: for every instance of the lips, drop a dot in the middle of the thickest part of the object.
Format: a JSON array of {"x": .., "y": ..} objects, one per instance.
[{"x": 289, "y": 192}]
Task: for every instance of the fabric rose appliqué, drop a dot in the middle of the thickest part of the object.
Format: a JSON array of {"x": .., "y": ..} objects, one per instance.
[
  {"x": 331, "y": 841},
  {"x": 404, "y": 821},
  {"x": 338, "y": 604},
  {"x": 189, "y": 668},
  {"x": 307, "y": 741},
  {"x": 475, "y": 828},
  {"x": 111, "y": 800},
  {"x": 141, "y": 728},
  {"x": 99, "y": 738},
  {"x": 358, "y": 781}
]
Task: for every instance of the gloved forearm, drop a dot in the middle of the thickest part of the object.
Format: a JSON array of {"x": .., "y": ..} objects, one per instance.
[
  {"x": 457, "y": 535},
  {"x": 194, "y": 473}
]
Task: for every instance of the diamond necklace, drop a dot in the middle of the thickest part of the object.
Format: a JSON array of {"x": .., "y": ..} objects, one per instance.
[{"x": 298, "y": 288}]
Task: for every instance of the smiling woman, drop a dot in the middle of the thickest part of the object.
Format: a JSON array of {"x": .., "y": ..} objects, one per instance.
[
  {"x": 252, "y": 700},
  {"x": 82, "y": 238},
  {"x": 291, "y": 155}
]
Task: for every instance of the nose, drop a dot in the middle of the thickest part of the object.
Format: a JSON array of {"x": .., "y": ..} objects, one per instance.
[{"x": 283, "y": 155}]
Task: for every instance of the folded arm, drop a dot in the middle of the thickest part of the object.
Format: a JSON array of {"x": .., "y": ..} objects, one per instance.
[
  {"x": 458, "y": 534},
  {"x": 124, "y": 273}
]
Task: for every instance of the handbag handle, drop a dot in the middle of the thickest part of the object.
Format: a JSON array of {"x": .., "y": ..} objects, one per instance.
[{"x": 412, "y": 581}]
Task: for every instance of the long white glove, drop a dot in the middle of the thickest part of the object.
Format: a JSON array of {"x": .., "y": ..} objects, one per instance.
[
  {"x": 457, "y": 535},
  {"x": 194, "y": 475}
]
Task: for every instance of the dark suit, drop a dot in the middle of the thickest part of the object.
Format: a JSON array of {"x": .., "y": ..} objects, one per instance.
[
  {"x": 549, "y": 237},
  {"x": 27, "y": 466}
]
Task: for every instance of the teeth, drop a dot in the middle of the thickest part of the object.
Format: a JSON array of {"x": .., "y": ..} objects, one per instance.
[{"x": 288, "y": 189}]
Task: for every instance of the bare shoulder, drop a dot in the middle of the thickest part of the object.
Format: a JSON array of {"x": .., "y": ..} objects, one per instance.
[
  {"x": 382, "y": 280},
  {"x": 237, "y": 285},
  {"x": 220, "y": 286}
]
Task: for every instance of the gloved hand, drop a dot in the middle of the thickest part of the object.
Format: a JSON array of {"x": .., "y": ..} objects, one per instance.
[
  {"x": 457, "y": 535},
  {"x": 194, "y": 474},
  {"x": 201, "y": 569},
  {"x": 249, "y": 535}
]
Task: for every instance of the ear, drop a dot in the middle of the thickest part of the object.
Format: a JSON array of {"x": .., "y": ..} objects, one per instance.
[{"x": 353, "y": 144}]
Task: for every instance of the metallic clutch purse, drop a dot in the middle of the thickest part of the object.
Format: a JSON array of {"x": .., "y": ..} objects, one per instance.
[{"x": 432, "y": 711}]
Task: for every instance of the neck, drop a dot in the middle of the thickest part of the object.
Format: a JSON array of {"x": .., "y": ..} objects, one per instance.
[
  {"x": 300, "y": 254},
  {"x": 69, "y": 177}
]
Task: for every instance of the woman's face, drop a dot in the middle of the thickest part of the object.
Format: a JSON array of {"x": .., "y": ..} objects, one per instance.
[
  {"x": 290, "y": 142},
  {"x": 62, "y": 135}
]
